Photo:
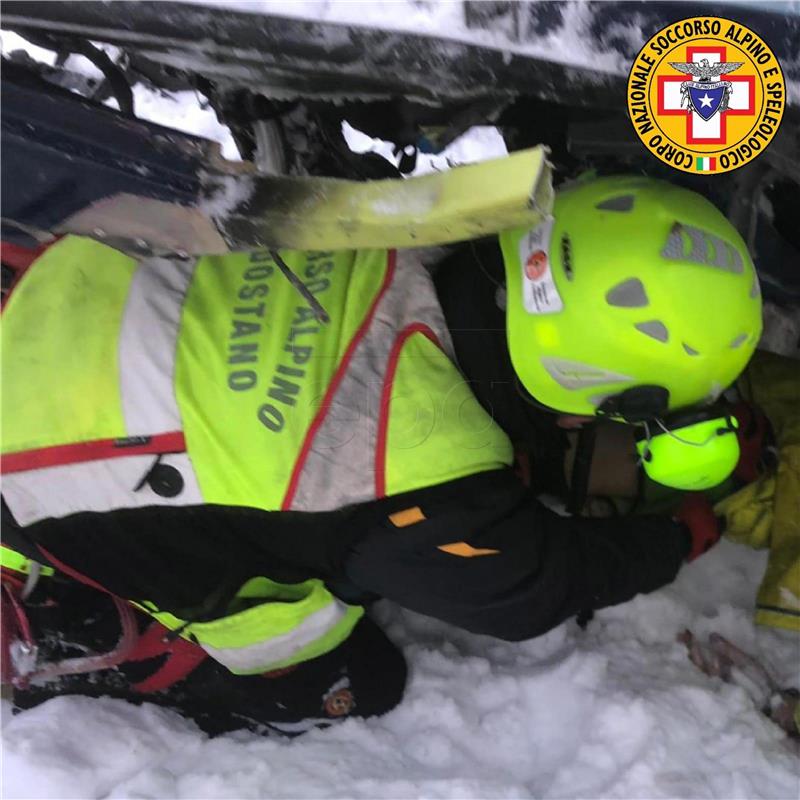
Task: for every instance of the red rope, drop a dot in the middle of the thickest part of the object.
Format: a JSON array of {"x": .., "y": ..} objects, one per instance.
[{"x": 15, "y": 626}]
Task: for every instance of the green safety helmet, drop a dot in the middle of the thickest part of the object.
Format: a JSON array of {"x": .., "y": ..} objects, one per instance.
[{"x": 633, "y": 288}]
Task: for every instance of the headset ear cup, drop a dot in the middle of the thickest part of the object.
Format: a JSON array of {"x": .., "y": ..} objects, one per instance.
[{"x": 698, "y": 455}]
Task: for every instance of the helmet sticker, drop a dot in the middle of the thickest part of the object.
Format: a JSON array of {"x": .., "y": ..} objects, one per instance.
[{"x": 539, "y": 292}]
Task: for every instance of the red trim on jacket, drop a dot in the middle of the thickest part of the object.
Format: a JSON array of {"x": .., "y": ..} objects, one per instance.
[
  {"x": 183, "y": 656},
  {"x": 386, "y": 399},
  {"x": 316, "y": 423},
  {"x": 70, "y": 572},
  {"x": 97, "y": 450},
  {"x": 18, "y": 257}
]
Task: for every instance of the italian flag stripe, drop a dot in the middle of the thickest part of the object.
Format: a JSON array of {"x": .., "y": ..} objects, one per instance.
[{"x": 705, "y": 164}]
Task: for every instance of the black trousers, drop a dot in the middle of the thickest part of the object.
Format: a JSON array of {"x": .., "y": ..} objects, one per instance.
[
  {"x": 498, "y": 563},
  {"x": 365, "y": 676}
]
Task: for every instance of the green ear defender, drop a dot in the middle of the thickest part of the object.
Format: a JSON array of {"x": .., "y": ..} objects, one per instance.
[{"x": 689, "y": 453}]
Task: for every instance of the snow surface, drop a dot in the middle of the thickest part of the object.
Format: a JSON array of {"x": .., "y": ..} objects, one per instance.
[
  {"x": 569, "y": 43},
  {"x": 185, "y": 112},
  {"x": 617, "y": 711}
]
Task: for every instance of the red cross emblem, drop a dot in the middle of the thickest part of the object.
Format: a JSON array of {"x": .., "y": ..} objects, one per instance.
[{"x": 714, "y": 130}]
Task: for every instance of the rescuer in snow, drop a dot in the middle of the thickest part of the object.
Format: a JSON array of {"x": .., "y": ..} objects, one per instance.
[{"x": 188, "y": 438}]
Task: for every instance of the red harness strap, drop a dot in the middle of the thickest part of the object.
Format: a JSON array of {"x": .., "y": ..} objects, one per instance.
[
  {"x": 183, "y": 656},
  {"x": 14, "y": 627}
]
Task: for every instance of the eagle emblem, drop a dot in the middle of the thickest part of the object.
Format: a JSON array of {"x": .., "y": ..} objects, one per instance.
[{"x": 705, "y": 96}]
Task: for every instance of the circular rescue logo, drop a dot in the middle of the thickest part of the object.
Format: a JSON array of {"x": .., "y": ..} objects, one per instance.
[{"x": 706, "y": 94}]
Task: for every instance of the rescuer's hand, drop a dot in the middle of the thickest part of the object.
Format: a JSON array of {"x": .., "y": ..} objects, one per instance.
[{"x": 697, "y": 514}]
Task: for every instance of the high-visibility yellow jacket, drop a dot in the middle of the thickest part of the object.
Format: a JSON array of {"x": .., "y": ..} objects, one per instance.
[
  {"x": 217, "y": 371},
  {"x": 766, "y": 513}
]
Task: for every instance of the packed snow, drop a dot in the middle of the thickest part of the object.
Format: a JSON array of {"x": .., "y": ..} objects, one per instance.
[
  {"x": 568, "y": 43},
  {"x": 617, "y": 711},
  {"x": 571, "y": 42}
]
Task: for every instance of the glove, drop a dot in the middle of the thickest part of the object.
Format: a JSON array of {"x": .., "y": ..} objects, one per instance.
[
  {"x": 697, "y": 514},
  {"x": 753, "y": 434}
]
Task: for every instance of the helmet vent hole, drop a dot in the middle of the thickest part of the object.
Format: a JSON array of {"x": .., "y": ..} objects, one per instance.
[
  {"x": 687, "y": 243},
  {"x": 738, "y": 341},
  {"x": 690, "y": 351},
  {"x": 566, "y": 255},
  {"x": 712, "y": 250},
  {"x": 674, "y": 248},
  {"x": 628, "y": 294},
  {"x": 655, "y": 329},
  {"x": 755, "y": 289},
  {"x": 622, "y": 202}
]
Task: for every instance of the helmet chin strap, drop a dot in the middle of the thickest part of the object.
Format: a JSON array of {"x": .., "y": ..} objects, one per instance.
[
  {"x": 581, "y": 468},
  {"x": 584, "y": 454}
]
